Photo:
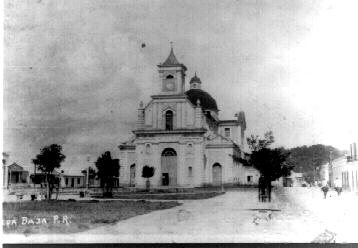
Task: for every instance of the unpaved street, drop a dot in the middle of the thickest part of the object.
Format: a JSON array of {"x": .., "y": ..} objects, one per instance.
[{"x": 294, "y": 215}]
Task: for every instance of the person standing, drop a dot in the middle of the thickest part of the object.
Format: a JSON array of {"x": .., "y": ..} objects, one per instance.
[
  {"x": 338, "y": 186},
  {"x": 325, "y": 189}
]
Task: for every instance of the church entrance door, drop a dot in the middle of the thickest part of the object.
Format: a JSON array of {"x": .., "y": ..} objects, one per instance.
[
  {"x": 132, "y": 176},
  {"x": 169, "y": 167},
  {"x": 217, "y": 174}
]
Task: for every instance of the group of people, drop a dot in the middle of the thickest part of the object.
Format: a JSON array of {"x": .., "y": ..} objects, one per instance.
[{"x": 337, "y": 187}]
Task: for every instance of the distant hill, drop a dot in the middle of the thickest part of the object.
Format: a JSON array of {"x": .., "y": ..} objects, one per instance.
[{"x": 309, "y": 159}]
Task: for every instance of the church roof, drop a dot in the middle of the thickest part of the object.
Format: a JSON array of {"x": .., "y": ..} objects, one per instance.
[
  {"x": 206, "y": 100},
  {"x": 195, "y": 79},
  {"x": 172, "y": 60}
]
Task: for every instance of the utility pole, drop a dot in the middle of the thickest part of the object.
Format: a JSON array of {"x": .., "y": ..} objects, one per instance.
[
  {"x": 9, "y": 181},
  {"x": 87, "y": 174},
  {"x": 87, "y": 179},
  {"x": 34, "y": 178}
]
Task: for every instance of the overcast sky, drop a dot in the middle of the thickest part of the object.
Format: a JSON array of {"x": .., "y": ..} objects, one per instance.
[{"x": 75, "y": 71}]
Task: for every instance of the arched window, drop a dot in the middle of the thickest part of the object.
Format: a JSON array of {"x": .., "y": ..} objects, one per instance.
[
  {"x": 190, "y": 171},
  {"x": 189, "y": 148},
  {"x": 169, "y": 152},
  {"x": 169, "y": 77},
  {"x": 147, "y": 148},
  {"x": 169, "y": 120}
]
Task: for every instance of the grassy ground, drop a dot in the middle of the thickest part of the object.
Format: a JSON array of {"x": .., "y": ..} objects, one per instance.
[
  {"x": 72, "y": 216},
  {"x": 165, "y": 196}
]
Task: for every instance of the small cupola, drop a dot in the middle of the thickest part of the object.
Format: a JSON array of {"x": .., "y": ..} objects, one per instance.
[{"x": 195, "y": 82}]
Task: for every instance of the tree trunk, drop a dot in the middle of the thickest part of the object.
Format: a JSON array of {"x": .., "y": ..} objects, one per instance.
[
  {"x": 147, "y": 184},
  {"x": 57, "y": 189},
  {"x": 57, "y": 193},
  {"x": 269, "y": 190},
  {"x": 48, "y": 187}
]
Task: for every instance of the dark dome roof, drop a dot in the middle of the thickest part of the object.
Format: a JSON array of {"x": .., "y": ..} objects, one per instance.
[
  {"x": 206, "y": 100},
  {"x": 195, "y": 79}
]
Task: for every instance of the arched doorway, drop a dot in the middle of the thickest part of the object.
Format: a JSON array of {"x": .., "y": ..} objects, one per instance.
[
  {"x": 132, "y": 176},
  {"x": 217, "y": 174},
  {"x": 169, "y": 167}
]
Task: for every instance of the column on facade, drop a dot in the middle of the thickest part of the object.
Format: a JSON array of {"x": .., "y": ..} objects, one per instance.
[
  {"x": 123, "y": 158},
  {"x": 159, "y": 117},
  {"x": 198, "y": 115},
  {"x": 201, "y": 162},
  {"x": 154, "y": 115},
  {"x": 181, "y": 166},
  {"x": 140, "y": 121},
  {"x": 140, "y": 181},
  {"x": 205, "y": 166},
  {"x": 228, "y": 166},
  {"x": 183, "y": 114},
  {"x": 5, "y": 176},
  {"x": 178, "y": 114},
  {"x": 198, "y": 164},
  {"x": 156, "y": 158}
]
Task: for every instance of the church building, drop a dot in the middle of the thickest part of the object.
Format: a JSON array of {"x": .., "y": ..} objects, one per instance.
[{"x": 179, "y": 133}]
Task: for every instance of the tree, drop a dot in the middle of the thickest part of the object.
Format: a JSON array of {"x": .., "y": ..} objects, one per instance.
[
  {"x": 147, "y": 172},
  {"x": 108, "y": 172},
  {"x": 5, "y": 158},
  {"x": 47, "y": 161},
  {"x": 307, "y": 158},
  {"x": 91, "y": 174},
  {"x": 256, "y": 144},
  {"x": 271, "y": 163}
]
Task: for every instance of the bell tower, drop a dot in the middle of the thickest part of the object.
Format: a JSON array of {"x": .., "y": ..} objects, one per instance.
[{"x": 172, "y": 75}]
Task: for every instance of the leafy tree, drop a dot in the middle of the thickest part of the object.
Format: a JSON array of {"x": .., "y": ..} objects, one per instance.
[
  {"x": 256, "y": 144},
  {"x": 271, "y": 163},
  {"x": 309, "y": 159},
  {"x": 5, "y": 158},
  {"x": 49, "y": 158},
  {"x": 147, "y": 172},
  {"x": 92, "y": 174},
  {"x": 108, "y": 172}
]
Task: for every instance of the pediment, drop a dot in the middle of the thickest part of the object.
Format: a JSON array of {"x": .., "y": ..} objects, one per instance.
[{"x": 217, "y": 139}]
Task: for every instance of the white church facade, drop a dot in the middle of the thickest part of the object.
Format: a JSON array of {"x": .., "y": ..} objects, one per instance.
[{"x": 179, "y": 133}]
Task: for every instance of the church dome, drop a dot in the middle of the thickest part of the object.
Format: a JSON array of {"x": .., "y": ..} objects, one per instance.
[
  {"x": 195, "y": 79},
  {"x": 206, "y": 100}
]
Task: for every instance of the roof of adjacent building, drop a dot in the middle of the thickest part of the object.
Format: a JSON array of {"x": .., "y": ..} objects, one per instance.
[
  {"x": 69, "y": 175},
  {"x": 16, "y": 167},
  {"x": 229, "y": 122},
  {"x": 206, "y": 100}
]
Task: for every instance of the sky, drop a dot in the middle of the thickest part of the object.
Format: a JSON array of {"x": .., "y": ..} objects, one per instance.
[{"x": 75, "y": 71}]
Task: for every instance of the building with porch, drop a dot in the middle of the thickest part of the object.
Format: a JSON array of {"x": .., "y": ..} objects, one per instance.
[
  {"x": 179, "y": 133},
  {"x": 14, "y": 174}
]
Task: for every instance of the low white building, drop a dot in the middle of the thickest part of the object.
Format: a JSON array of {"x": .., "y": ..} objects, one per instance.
[
  {"x": 295, "y": 179},
  {"x": 345, "y": 169},
  {"x": 347, "y": 172},
  {"x": 179, "y": 133},
  {"x": 73, "y": 181}
]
